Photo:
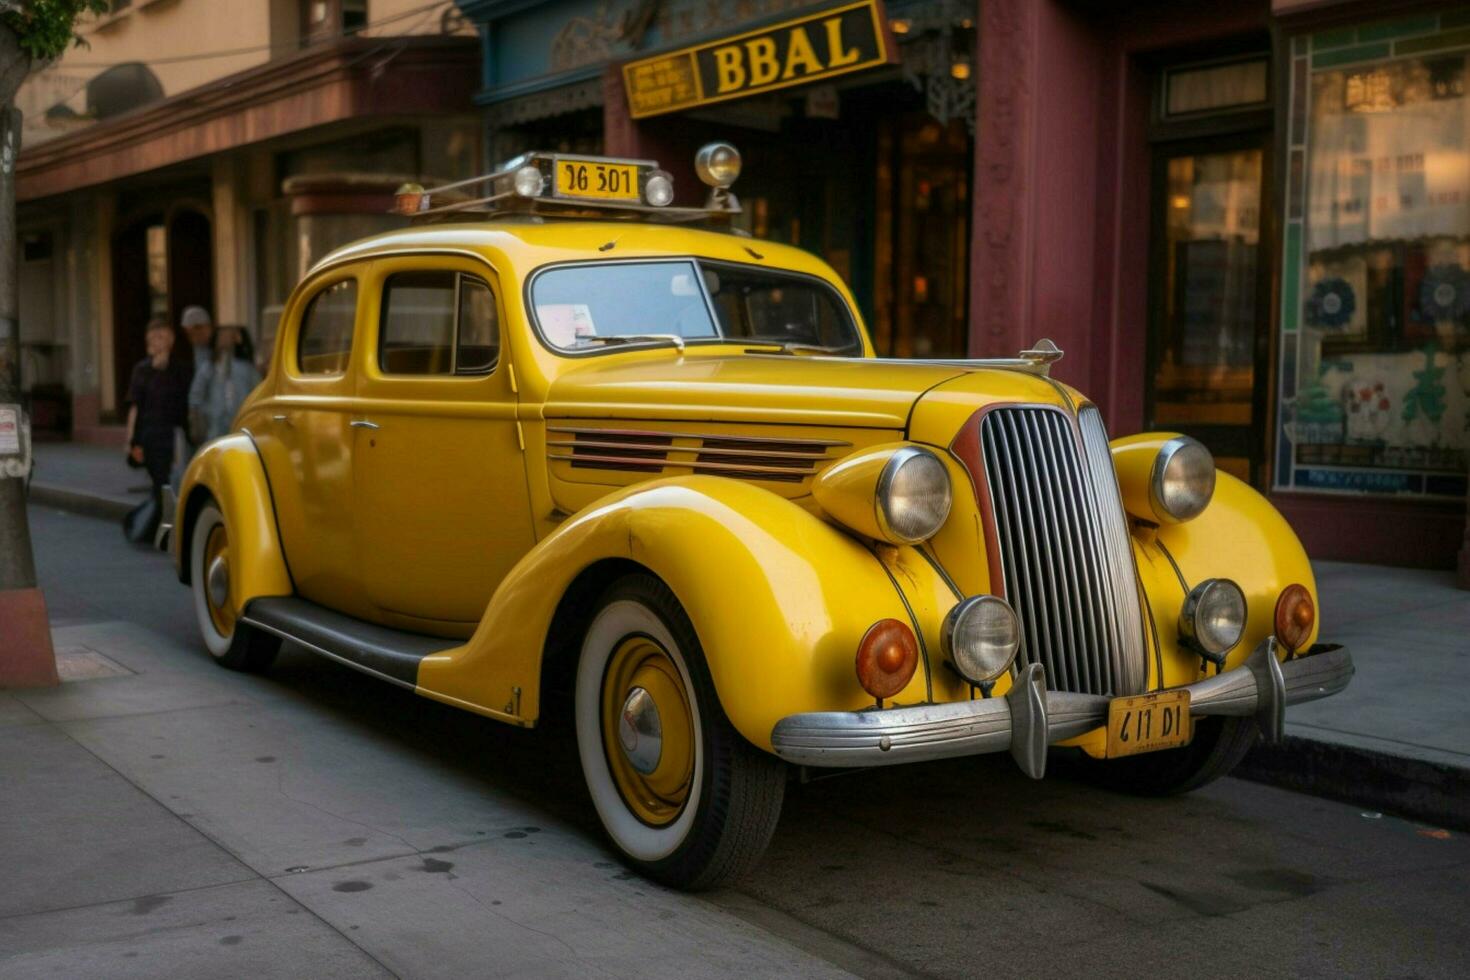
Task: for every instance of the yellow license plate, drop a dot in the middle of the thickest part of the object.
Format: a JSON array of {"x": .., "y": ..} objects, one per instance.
[
  {"x": 589, "y": 178},
  {"x": 1148, "y": 722}
]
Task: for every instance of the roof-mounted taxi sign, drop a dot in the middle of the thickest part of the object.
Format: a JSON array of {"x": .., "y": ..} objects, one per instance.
[{"x": 559, "y": 183}]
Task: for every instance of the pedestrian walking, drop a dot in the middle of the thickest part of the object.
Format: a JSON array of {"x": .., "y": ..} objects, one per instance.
[
  {"x": 199, "y": 326},
  {"x": 221, "y": 385},
  {"x": 158, "y": 404}
]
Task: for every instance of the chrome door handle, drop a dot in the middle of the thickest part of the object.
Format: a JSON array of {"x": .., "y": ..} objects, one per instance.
[
  {"x": 281, "y": 418},
  {"x": 363, "y": 424}
]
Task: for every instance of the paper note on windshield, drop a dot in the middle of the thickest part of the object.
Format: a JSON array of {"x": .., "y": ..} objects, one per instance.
[{"x": 565, "y": 323}]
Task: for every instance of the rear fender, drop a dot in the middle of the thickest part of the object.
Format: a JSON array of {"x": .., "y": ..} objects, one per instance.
[
  {"x": 778, "y": 597},
  {"x": 230, "y": 471}
]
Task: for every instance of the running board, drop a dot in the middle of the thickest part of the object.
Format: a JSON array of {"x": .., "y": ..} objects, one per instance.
[{"x": 388, "y": 654}]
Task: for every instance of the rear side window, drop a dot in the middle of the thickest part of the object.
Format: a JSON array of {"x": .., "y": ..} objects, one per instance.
[
  {"x": 325, "y": 340},
  {"x": 437, "y": 323}
]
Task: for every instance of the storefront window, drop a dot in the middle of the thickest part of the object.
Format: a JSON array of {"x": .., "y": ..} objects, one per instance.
[{"x": 1375, "y": 352}]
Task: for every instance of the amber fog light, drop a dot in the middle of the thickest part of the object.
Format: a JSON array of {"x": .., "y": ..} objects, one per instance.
[
  {"x": 886, "y": 658},
  {"x": 1295, "y": 616}
]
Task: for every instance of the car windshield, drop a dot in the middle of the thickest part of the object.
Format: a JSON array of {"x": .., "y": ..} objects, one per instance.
[{"x": 582, "y": 307}]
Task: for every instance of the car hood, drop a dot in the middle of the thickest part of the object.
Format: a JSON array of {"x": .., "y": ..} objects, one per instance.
[
  {"x": 929, "y": 400},
  {"x": 750, "y": 388}
]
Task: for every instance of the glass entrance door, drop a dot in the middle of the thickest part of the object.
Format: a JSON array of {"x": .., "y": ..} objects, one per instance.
[{"x": 1210, "y": 285}]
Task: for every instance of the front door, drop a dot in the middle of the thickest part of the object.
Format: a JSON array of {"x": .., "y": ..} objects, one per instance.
[
  {"x": 306, "y": 442},
  {"x": 442, "y": 507},
  {"x": 1211, "y": 289}
]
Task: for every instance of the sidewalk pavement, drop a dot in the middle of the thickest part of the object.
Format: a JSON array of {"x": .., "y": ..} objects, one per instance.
[
  {"x": 1398, "y": 739},
  {"x": 86, "y": 479}
]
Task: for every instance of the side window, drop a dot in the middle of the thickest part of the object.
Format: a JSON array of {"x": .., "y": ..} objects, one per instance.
[
  {"x": 437, "y": 323},
  {"x": 416, "y": 335},
  {"x": 325, "y": 340},
  {"x": 479, "y": 327}
]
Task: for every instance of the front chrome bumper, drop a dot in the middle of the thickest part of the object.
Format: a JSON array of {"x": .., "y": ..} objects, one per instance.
[{"x": 1029, "y": 718}]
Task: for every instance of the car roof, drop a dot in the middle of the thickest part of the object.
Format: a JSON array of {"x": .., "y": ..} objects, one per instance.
[{"x": 530, "y": 242}]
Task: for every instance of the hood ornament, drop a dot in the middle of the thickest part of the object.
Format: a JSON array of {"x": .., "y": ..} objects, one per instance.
[{"x": 1042, "y": 354}]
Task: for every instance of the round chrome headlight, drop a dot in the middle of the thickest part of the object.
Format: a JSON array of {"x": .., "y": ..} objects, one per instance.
[
  {"x": 913, "y": 496},
  {"x": 1183, "y": 479},
  {"x": 1213, "y": 618},
  {"x": 528, "y": 181},
  {"x": 981, "y": 636}
]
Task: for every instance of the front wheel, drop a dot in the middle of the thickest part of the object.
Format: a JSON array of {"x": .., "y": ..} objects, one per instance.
[
  {"x": 1218, "y": 746},
  {"x": 681, "y": 794},
  {"x": 232, "y": 643}
]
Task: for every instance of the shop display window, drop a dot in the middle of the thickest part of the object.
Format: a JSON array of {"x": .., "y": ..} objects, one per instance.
[{"x": 1375, "y": 344}]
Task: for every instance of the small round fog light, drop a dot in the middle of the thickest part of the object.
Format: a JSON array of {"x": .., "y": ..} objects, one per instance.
[
  {"x": 981, "y": 636},
  {"x": 1295, "y": 616},
  {"x": 658, "y": 190},
  {"x": 886, "y": 658},
  {"x": 1213, "y": 618},
  {"x": 528, "y": 181}
]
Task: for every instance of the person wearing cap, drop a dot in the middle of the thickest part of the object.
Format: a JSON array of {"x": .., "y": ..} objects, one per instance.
[{"x": 199, "y": 327}]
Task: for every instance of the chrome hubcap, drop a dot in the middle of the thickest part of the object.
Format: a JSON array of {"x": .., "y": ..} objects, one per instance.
[
  {"x": 640, "y": 731},
  {"x": 217, "y": 580}
]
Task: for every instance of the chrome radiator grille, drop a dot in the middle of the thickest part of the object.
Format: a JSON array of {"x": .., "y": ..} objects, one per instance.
[{"x": 1064, "y": 548}]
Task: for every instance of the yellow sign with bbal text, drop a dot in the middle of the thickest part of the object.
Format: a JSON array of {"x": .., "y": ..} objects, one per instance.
[{"x": 821, "y": 45}]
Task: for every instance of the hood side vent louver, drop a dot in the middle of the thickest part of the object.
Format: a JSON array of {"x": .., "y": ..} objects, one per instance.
[{"x": 740, "y": 457}]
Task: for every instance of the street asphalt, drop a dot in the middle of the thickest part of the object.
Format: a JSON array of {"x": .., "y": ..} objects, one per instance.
[{"x": 179, "y": 820}]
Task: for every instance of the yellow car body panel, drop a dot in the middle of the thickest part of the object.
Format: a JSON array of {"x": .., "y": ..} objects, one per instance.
[
  {"x": 779, "y": 593},
  {"x": 229, "y": 471},
  {"x": 778, "y": 597}
]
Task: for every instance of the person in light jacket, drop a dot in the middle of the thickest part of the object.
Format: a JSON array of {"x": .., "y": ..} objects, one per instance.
[{"x": 221, "y": 384}]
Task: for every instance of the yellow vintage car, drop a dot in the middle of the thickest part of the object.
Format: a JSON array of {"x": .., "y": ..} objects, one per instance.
[{"x": 561, "y": 447}]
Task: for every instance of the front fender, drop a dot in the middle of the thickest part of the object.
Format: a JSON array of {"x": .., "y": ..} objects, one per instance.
[
  {"x": 778, "y": 597},
  {"x": 230, "y": 470},
  {"x": 1239, "y": 536}
]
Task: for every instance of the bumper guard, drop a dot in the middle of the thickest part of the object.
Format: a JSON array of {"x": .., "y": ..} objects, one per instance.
[{"x": 1029, "y": 717}]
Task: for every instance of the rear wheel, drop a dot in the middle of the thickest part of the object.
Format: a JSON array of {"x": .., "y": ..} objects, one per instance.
[
  {"x": 1218, "y": 746},
  {"x": 680, "y": 793},
  {"x": 232, "y": 643}
]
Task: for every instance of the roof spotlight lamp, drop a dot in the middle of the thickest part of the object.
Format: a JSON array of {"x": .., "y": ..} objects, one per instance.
[
  {"x": 1213, "y": 618},
  {"x": 528, "y": 181},
  {"x": 718, "y": 165},
  {"x": 980, "y": 636},
  {"x": 658, "y": 189}
]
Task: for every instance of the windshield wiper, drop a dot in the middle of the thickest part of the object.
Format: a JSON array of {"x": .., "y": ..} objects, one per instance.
[
  {"x": 633, "y": 338},
  {"x": 789, "y": 348}
]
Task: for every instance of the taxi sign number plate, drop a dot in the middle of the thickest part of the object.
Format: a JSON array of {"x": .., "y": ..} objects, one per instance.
[
  {"x": 1148, "y": 722},
  {"x": 596, "y": 179}
]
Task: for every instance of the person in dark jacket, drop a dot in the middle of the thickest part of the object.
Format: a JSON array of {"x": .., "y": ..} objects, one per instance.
[{"x": 158, "y": 397}]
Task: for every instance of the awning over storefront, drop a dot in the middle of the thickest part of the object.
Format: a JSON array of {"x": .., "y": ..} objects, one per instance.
[{"x": 356, "y": 78}]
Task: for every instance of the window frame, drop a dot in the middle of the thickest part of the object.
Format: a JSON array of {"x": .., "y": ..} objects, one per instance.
[
  {"x": 856, "y": 349},
  {"x": 293, "y": 363},
  {"x": 457, "y": 296}
]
